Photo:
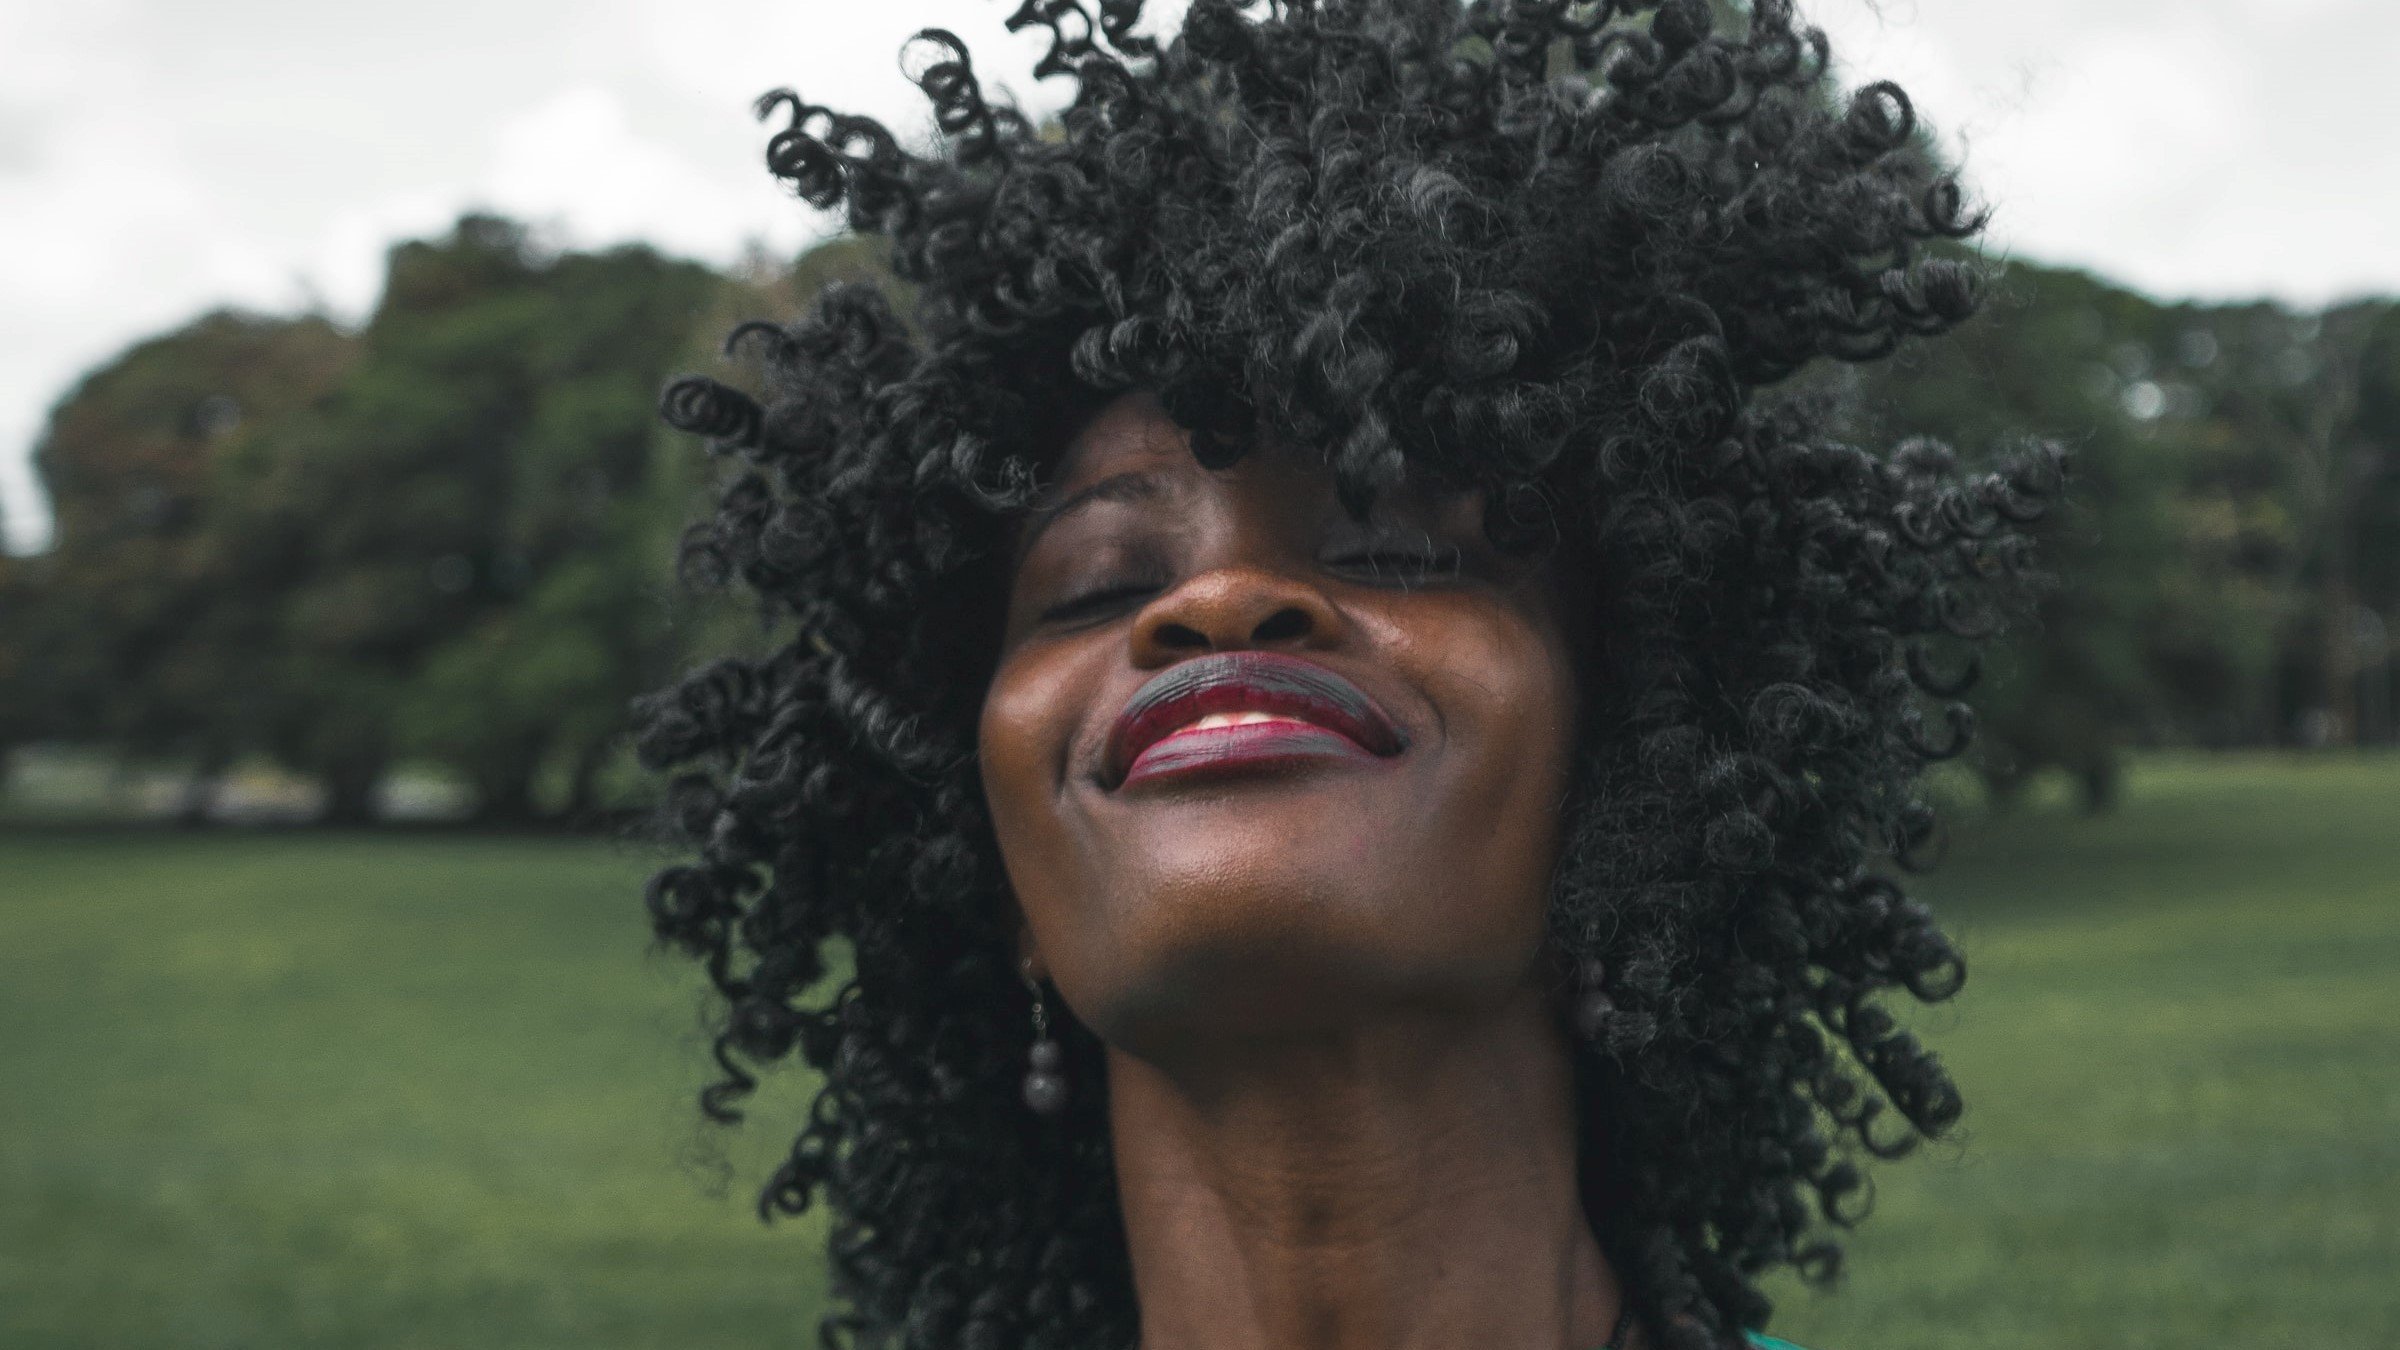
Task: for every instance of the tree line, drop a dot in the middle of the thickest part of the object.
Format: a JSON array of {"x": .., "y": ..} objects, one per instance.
[
  {"x": 2228, "y": 564},
  {"x": 447, "y": 536}
]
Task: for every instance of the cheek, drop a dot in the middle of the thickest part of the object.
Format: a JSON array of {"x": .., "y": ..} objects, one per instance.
[
  {"x": 1017, "y": 747},
  {"x": 1507, "y": 693},
  {"x": 1024, "y": 740},
  {"x": 1503, "y": 682}
]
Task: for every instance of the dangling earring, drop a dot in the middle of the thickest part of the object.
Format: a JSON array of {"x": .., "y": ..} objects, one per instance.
[
  {"x": 1593, "y": 1007},
  {"x": 1045, "y": 1087}
]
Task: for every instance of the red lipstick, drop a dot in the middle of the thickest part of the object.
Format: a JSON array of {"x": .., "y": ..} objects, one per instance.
[{"x": 1319, "y": 715}]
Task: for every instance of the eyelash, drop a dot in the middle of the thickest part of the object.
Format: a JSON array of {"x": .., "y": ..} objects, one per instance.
[
  {"x": 1095, "y": 601},
  {"x": 1412, "y": 566},
  {"x": 1412, "y": 563}
]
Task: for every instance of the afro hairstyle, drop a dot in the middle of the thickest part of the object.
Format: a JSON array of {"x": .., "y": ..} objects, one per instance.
[{"x": 1570, "y": 253}]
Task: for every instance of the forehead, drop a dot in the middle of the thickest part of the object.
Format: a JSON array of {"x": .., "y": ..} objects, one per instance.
[
  {"x": 1132, "y": 432},
  {"x": 1133, "y": 436}
]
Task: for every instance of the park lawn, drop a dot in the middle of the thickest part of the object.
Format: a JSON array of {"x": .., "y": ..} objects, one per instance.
[
  {"x": 2178, "y": 1044},
  {"x": 273, "y": 1090},
  {"x": 424, "y": 1091}
]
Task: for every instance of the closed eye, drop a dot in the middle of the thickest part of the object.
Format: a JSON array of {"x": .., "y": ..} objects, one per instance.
[
  {"x": 1402, "y": 566},
  {"x": 1094, "y": 603}
]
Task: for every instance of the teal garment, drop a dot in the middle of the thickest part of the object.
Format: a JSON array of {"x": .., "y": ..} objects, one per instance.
[{"x": 1765, "y": 1342}]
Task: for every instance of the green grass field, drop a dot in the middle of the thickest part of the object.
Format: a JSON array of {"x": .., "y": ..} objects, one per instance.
[{"x": 425, "y": 1091}]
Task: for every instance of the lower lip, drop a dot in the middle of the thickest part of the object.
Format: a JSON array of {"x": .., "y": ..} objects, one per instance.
[{"x": 1220, "y": 750}]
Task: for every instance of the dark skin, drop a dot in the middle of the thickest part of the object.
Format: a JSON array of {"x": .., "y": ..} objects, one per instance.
[{"x": 1340, "y": 1096}]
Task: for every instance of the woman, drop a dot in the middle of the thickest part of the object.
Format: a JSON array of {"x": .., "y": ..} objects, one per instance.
[{"x": 1337, "y": 745}]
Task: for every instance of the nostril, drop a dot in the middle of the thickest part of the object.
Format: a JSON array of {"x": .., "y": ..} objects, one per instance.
[
  {"x": 1283, "y": 623},
  {"x": 1177, "y": 635}
]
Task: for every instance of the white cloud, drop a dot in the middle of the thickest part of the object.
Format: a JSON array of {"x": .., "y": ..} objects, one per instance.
[
  {"x": 575, "y": 159},
  {"x": 2206, "y": 148}
]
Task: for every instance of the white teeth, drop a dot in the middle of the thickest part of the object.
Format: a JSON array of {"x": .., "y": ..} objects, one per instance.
[{"x": 1236, "y": 719}]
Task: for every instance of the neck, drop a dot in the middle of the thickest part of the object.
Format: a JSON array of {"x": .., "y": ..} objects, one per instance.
[{"x": 1405, "y": 1186}]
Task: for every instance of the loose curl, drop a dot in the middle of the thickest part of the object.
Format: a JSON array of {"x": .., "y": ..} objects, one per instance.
[{"x": 1552, "y": 249}]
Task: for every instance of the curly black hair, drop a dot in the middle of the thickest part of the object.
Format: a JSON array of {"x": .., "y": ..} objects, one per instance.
[{"x": 1555, "y": 250}]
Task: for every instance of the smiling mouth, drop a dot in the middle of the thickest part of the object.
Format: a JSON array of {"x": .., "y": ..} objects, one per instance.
[{"x": 1241, "y": 711}]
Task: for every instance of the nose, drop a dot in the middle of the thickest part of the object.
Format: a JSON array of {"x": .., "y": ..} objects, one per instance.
[{"x": 1234, "y": 608}]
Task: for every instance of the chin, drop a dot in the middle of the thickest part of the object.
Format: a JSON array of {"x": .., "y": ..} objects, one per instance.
[{"x": 1211, "y": 943}]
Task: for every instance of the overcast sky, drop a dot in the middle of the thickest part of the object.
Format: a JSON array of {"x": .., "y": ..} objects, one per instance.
[{"x": 158, "y": 157}]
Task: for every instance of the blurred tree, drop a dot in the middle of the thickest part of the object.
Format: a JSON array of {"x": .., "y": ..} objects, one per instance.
[
  {"x": 129, "y": 632},
  {"x": 2160, "y": 629},
  {"x": 2344, "y": 469},
  {"x": 2375, "y": 528},
  {"x": 457, "y": 536},
  {"x": 2229, "y": 561},
  {"x": 22, "y": 704},
  {"x": 2296, "y": 461}
]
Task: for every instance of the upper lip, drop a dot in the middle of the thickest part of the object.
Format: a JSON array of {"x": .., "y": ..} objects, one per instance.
[{"x": 1245, "y": 681}]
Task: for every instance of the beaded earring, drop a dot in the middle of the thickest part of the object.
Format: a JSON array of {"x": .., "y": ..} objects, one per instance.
[
  {"x": 1045, "y": 1086},
  {"x": 1593, "y": 1007}
]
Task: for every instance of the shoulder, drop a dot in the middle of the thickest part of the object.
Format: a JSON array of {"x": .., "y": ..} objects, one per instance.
[{"x": 1764, "y": 1341}]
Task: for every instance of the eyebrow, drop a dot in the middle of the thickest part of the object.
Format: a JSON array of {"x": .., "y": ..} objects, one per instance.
[{"x": 1133, "y": 485}]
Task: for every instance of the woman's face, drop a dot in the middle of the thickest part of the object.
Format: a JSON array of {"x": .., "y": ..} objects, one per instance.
[{"x": 1364, "y": 819}]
